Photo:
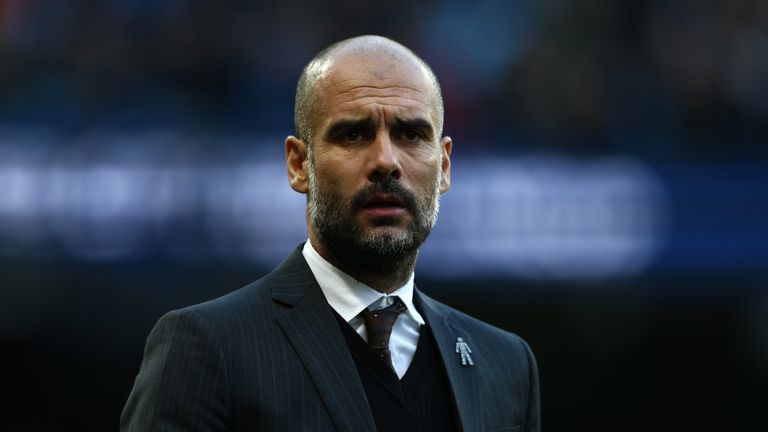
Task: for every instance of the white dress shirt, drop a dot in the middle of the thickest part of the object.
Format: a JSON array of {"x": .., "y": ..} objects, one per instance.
[{"x": 348, "y": 297}]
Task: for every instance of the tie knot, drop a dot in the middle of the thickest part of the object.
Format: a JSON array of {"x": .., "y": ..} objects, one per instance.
[
  {"x": 385, "y": 317},
  {"x": 378, "y": 326}
]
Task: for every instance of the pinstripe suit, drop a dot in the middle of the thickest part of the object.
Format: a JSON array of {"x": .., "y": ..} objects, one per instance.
[{"x": 270, "y": 357}]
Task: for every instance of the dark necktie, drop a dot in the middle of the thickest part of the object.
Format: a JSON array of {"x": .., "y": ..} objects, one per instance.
[{"x": 378, "y": 326}]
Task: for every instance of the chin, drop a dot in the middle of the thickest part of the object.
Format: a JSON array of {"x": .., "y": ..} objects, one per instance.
[{"x": 382, "y": 232}]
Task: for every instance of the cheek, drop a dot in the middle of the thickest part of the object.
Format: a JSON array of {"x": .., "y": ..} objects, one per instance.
[
  {"x": 332, "y": 179},
  {"x": 423, "y": 172}
]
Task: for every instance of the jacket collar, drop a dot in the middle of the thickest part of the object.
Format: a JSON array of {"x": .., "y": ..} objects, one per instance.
[
  {"x": 312, "y": 330},
  {"x": 463, "y": 379}
]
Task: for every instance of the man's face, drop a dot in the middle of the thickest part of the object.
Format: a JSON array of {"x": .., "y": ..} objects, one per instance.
[{"x": 376, "y": 165}]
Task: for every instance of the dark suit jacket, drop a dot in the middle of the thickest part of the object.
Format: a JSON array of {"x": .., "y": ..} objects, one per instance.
[{"x": 271, "y": 357}]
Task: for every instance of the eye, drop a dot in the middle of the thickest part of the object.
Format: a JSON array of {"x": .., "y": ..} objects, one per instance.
[
  {"x": 411, "y": 135},
  {"x": 352, "y": 136}
]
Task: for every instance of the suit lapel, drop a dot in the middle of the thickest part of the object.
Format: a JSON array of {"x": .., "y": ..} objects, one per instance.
[
  {"x": 463, "y": 379},
  {"x": 312, "y": 330}
]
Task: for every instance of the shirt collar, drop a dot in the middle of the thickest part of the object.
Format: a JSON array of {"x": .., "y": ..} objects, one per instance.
[{"x": 348, "y": 296}]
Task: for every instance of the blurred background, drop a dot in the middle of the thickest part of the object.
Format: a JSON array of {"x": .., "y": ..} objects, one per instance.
[{"x": 609, "y": 201}]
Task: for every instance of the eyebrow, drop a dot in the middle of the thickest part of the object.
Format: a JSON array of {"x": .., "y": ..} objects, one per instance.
[
  {"x": 417, "y": 123},
  {"x": 345, "y": 125}
]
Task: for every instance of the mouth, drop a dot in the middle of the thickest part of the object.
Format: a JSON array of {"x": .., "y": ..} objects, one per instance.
[
  {"x": 383, "y": 201},
  {"x": 383, "y": 205}
]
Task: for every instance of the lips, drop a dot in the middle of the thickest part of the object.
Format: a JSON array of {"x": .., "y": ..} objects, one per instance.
[
  {"x": 383, "y": 201},
  {"x": 383, "y": 207}
]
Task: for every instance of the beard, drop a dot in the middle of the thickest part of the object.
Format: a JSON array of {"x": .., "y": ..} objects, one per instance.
[{"x": 386, "y": 247}]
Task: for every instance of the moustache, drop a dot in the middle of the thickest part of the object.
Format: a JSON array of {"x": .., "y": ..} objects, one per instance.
[{"x": 389, "y": 187}]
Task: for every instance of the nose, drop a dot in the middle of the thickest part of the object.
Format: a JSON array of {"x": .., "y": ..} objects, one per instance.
[{"x": 383, "y": 160}]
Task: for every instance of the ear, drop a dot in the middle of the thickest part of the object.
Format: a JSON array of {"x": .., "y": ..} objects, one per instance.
[
  {"x": 446, "y": 145},
  {"x": 296, "y": 162}
]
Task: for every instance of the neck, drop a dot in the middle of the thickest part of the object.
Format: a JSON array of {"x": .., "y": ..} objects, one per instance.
[{"x": 383, "y": 275}]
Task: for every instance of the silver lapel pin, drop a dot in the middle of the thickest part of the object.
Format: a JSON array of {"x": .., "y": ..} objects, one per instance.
[{"x": 463, "y": 350}]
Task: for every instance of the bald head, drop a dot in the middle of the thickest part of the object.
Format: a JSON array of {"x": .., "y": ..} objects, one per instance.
[{"x": 377, "y": 57}]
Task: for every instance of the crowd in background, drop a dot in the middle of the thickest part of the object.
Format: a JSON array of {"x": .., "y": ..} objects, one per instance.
[{"x": 651, "y": 78}]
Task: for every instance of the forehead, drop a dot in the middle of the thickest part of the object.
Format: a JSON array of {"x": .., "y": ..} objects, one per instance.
[{"x": 364, "y": 86}]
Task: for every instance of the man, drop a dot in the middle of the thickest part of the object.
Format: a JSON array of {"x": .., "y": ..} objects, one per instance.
[{"x": 337, "y": 337}]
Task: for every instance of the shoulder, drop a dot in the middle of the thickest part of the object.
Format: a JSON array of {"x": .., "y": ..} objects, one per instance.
[
  {"x": 246, "y": 314},
  {"x": 251, "y": 295},
  {"x": 223, "y": 319},
  {"x": 221, "y": 314},
  {"x": 211, "y": 334},
  {"x": 189, "y": 352},
  {"x": 255, "y": 300}
]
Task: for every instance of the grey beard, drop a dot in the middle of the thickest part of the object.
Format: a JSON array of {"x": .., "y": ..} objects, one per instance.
[{"x": 379, "y": 252}]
